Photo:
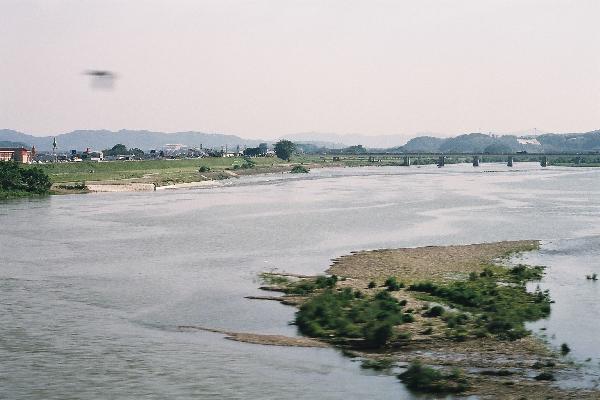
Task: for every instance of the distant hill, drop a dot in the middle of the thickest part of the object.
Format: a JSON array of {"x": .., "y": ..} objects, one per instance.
[
  {"x": 468, "y": 143},
  {"x": 426, "y": 144},
  {"x": 338, "y": 141},
  {"x": 145, "y": 140},
  {"x": 7, "y": 143},
  {"x": 480, "y": 143}
]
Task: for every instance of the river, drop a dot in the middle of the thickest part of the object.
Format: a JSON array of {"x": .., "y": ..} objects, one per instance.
[{"x": 93, "y": 287}]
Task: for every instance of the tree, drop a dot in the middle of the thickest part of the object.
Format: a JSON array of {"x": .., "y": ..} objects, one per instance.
[
  {"x": 284, "y": 149},
  {"x": 263, "y": 148},
  {"x": 359, "y": 149},
  {"x": 10, "y": 176},
  {"x": 136, "y": 152},
  {"x": 117, "y": 150},
  {"x": 15, "y": 178},
  {"x": 498, "y": 148},
  {"x": 252, "y": 151},
  {"x": 36, "y": 180}
]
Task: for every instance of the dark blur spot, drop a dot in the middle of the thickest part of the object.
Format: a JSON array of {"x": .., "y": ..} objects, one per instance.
[{"x": 101, "y": 79}]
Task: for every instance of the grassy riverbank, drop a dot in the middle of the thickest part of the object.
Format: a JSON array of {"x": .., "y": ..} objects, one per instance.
[
  {"x": 171, "y": 172},
  {"x": 456, "y": 315}
]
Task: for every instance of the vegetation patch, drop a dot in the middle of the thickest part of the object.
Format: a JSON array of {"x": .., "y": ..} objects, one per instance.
[
  {"x": 545, "y": 376},
  {"x": 392, "y": 284},
  {"x": 304, "y": 287},
  {"x": 274, "y": 279},
  {"x": 73, "y": 186},
  {"x": 465, "y": 314},
  {"x": 344, "y": 314},
  {"x": 378, "y": 364},
  {"x": 20, "y": 181},
  {"x": 421, "y": 378},
  {"x": 299, "y": 169},
  {"x": 497, "y": 299}
]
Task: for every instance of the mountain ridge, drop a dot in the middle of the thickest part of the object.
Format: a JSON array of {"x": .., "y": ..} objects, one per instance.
[{"x": 466, "y": 143}]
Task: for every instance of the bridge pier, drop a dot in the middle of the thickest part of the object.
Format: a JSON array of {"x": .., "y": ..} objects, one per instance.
[
  {"x": 476, "y": 161},
  {"x": 510, "y": 161},
  {"x": 407, "y": 161},
  {"x": 544, "y": 161},
  {"x": 441, "y": 161}
]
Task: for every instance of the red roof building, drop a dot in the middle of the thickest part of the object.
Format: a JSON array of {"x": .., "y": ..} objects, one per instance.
[{"x": 18, "y": 154}]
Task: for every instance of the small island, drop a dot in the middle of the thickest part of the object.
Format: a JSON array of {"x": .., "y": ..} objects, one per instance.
[{"x": 452, "y": 317}]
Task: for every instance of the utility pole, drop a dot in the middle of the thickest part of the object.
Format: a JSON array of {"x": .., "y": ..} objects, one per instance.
[{"x": 54, "y": 149}]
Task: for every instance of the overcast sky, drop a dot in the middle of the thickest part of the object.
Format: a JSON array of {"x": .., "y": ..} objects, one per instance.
[{"x": 268, "y": 68}]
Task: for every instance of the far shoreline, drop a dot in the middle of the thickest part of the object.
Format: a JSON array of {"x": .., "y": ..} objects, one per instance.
[{"x": 214, "y": 178}]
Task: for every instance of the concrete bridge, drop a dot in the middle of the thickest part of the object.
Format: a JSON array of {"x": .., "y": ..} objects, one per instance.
[{"x": 441, "y": 159}]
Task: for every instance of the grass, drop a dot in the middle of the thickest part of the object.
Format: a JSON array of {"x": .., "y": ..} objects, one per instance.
[
  {"x": 184, "y": 170},
  {"x": 17, "y": 194},
  {"x": 380, "y": 364},
  {"x": 273, "y": 279},
  {"x": 307, "y": 286},
  {"x": 421, "y": 378}
]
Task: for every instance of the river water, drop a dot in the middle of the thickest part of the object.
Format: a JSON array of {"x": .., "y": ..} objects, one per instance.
[{"x": 93, "y": 287}]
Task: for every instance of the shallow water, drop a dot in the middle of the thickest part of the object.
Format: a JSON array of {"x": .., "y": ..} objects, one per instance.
[{"x": 93, "y": 287}]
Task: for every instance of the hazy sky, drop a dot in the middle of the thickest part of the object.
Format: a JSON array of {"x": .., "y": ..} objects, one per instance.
[{"x": 268, "y": 68}]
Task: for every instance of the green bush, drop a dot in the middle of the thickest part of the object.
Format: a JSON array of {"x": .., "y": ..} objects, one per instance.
[
  {"x": 341, "y": 314},
  {"x": 248, "y": 163},
  {"x": 306, "y": 286},
  {"x": 435, "y": 311},
  {"x": 378, "y": 364},
  {"x": 408, "y": 318},
  {"x": 427, "y": 331},
  {"x": 372, "y": 285},
  {"x": 377, "y": 333},
  {"x": 299, "y": 169},
  {"x": 15, "y": 178},
  {"x": 497, "y": 372},
  {"x": 498, "y": 298},
  {"x": 524, "y": 273},
  {"x": 392, "y": 284},
  {"x": 425, "y": 379},
  {"x": 204, "y": 168},
  {"x": 545, "y": 376}
]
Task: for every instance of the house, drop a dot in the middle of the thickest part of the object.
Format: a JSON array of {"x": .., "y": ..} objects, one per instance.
[{"x": 18, "y": 154}]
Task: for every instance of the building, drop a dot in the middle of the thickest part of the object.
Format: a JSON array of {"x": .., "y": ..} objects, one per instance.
[{"x": 18, "y": 154}]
